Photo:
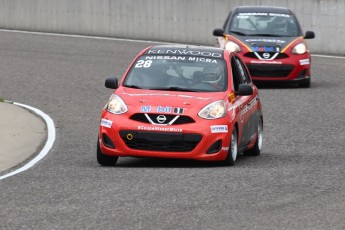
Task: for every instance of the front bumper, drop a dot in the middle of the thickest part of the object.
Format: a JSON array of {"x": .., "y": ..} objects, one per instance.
[
  {"x": 188, "y": 141},
  {"x": 290, "y": 68}
]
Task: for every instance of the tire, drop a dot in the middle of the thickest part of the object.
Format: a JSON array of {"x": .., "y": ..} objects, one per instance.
[
  {"x": 232, "y": 154},
  {"x": 256, "y": 150},
  {"x": 103, "y": 159},
  {"x": 305, "y": 83}
]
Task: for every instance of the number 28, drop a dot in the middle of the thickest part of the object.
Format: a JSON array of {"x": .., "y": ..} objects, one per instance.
[{"x": 142, "y": 63}]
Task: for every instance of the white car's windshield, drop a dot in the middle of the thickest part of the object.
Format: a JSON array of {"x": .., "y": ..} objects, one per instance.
[
  {"x": 265, "y": 24},
  {"x": 178, "y": 73}
]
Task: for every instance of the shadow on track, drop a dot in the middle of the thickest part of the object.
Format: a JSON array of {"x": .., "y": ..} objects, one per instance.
[{"x": 137, "y": 162}]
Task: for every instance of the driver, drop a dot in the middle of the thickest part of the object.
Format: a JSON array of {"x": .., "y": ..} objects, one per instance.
[{"x": 214, "y": 75}]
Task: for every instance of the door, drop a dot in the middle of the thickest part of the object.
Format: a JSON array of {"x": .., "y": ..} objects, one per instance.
[{"x": 248, "y": 114}]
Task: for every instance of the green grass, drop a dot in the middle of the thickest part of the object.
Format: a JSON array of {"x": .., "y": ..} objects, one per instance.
[{"x": 1, "y": 99}]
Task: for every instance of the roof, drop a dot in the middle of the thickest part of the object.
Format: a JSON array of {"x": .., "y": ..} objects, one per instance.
[
  {"x": 186, "y": 50},
  {"x": 262, "y": 9}
]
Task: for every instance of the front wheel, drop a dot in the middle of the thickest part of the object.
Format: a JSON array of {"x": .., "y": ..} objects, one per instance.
[
  {"x": 256, "y": 150},
  {"x": 103, "y": 159},
  {"x": 232, "y": 154}
]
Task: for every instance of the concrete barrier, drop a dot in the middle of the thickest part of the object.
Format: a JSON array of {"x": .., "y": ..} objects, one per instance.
[{"x": 183, "y": 21}]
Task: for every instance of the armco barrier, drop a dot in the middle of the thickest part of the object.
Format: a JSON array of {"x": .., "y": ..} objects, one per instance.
[{"x": 183, "y": 21}]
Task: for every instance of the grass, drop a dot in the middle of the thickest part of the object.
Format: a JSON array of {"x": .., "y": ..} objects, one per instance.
[{"x": 1, "y": 99}]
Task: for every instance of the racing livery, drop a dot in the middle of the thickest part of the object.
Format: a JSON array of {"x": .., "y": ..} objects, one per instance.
[
  {"x": 188, "y": 102},
  {"x": 270, "y": 42}
]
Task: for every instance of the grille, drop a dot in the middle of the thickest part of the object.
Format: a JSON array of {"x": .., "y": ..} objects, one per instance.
[
  {"x": 263, "y": 70},
  {"x": 160, "y": 141},
  {"x": 279, "y": 56},
  {"x": 181, "y": 120}
]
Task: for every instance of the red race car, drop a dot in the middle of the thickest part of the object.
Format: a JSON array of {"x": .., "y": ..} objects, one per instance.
[
  {"x": 187, "y": 102},
  {"x": 270, "y": 42}
]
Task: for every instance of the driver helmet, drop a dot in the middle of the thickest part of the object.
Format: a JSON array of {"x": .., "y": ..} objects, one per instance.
[{"x": 212, "y": 74}]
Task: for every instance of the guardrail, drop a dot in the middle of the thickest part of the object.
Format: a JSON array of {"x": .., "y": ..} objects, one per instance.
[{"x": 183, "y": 21}]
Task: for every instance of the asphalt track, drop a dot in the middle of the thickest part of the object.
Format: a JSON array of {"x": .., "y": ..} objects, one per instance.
[{"x": 297, "y": 182}]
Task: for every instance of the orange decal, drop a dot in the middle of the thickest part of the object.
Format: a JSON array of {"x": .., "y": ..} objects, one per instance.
[{"x": 286, "y": 47}]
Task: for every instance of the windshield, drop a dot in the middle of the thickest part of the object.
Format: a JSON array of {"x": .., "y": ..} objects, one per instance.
[
  {"x": 264, "y": 24},
  {"x": 178, "y": 73}
]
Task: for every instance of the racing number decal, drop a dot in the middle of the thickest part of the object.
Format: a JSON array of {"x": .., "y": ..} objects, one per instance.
[{"x": 142, "y": 63}]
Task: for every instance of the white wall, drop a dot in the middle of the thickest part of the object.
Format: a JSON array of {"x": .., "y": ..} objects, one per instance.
[{"x": 184, "y": 21}]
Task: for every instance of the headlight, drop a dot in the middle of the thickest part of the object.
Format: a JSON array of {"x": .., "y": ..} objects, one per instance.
[
  {"x": 300, "y": 48},
  {"x": 232, "y": 46},
  {"x": 116, "y": 105},
  {"x": 214, "y": 110}
]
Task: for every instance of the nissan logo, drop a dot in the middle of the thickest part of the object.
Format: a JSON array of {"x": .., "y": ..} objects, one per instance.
[
  {"x": 266, "y": 55},
  {"x": 161, "y": 119}
]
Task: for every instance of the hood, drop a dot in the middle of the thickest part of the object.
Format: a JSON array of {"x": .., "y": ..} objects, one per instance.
[
  {"x": 155, "y": 101},
  {"x": 265, "y": 44}
]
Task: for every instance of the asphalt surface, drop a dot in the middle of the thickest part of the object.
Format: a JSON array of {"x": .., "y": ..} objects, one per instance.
[
  {"x": 22, "y": 135},
  {"x": 297, "y": 182}
]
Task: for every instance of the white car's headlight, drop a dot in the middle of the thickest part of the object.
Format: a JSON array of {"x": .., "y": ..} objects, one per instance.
[
  {"x": 232, "y": 46},
  {"x": 116, "y": 105},
  {"x": 300, "y": 48},
  {"x": 213, "y": 110}
]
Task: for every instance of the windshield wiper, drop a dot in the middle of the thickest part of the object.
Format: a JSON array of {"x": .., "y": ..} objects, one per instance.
[
  {"x": 173, "y": 88},
  {"x": 132, "y": 86},
  {"x": 238, "y": 33}
]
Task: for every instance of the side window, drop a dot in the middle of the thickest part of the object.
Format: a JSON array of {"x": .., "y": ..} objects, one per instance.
[
  {"x": 239, "y": 72},
  {"x": 244, "y": 77},
  {"x": 235, "y": 73}
]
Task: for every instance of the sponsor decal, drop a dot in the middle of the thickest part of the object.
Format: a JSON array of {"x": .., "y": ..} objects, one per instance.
[
  {"x": 248, "y": 106},
  {"x": 177, "y": 58},
  {"x": 265, "y": 14},
  {"x": 266, "y": 62},
  {"x": 234, "y": 106},
  {"x": 197, "y": 59},
  {"x": 158, "y": 128},
  {"x": 178, "y": 110},
  {"x": 263, "y": 48},
  {"x": 158, "y": 109},
  {"x": 160, "y": 57},
  {"x": 106, "y": 123},
  {"x": 185, "y": 52},
  {"x": 161, "y": 109},
  {"x": 304, "y": 62},
  {"x": 266, "y": 40},
  {"x": 225, "y": 148},
  {"x": 219, "y": 129}
]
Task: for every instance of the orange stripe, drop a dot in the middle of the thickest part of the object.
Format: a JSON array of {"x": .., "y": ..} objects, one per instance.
[
  {"x": 286, "y": 47},
  {"x": 238, "y": 41}
]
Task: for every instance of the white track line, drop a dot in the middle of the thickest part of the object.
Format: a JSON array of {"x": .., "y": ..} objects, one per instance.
[
  {"x": 327, "y": 56},
  {"x": 83, "y": 36},
  {"x": 48, "y": 145},
  {"x": 124, "y": 39}
]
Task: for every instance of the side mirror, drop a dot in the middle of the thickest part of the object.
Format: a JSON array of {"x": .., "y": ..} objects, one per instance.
[
  {"x": 218, "y": 32},
  {"x": 309, "y": 35},
  {"x": 245, "y": 90},
  {"x": 111, "y": 83}
]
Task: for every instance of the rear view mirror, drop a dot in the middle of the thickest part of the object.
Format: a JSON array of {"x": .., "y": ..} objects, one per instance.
[
  {"x": 218, "y": 32},
  {"x": 245, "y": 90},
  {"x": 309, "y": 35},
  {"x": 111, "y": 83}
]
